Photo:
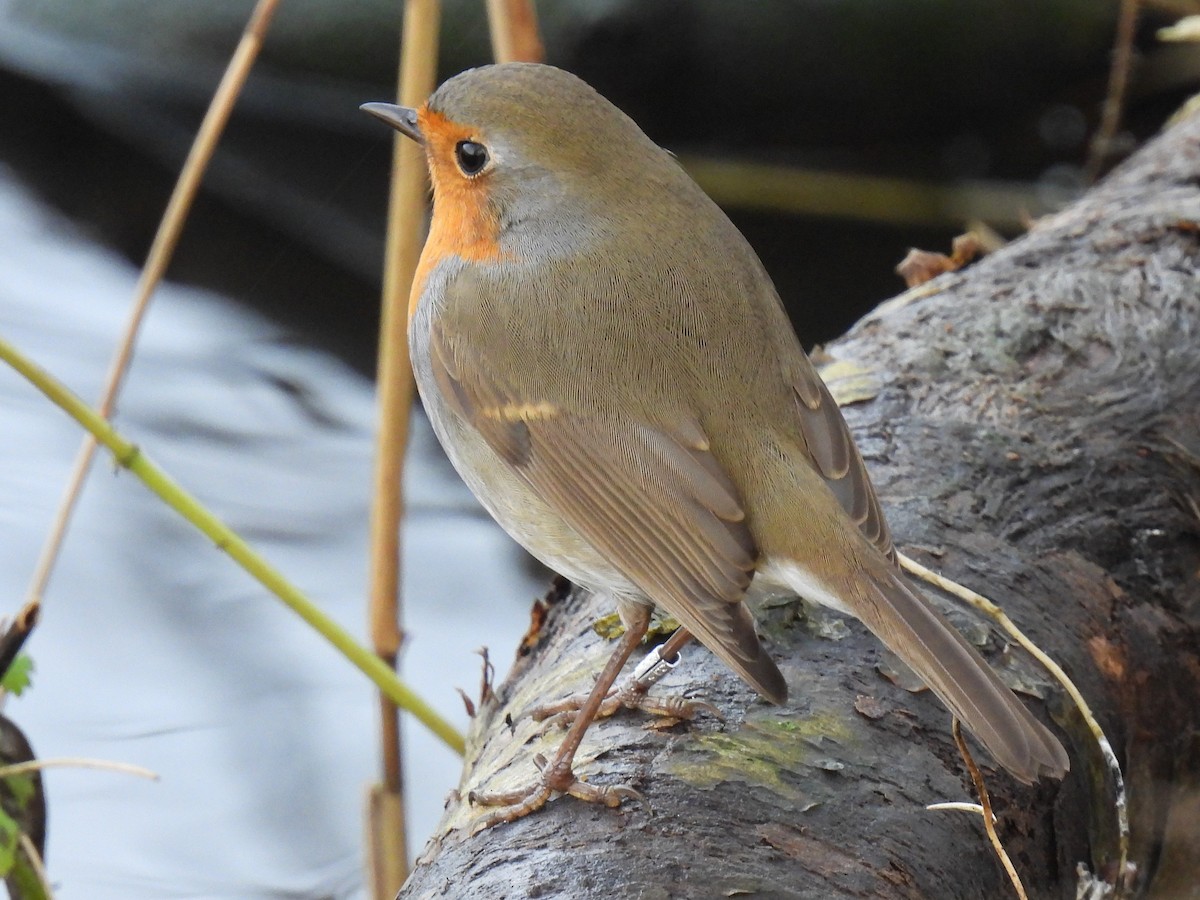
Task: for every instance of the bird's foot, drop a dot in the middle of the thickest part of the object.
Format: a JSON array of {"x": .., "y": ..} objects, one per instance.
[
  {"x": 557, "y": 776},
  {"x": 633, "y": 694},
  {"x": 628, "y": 696}
]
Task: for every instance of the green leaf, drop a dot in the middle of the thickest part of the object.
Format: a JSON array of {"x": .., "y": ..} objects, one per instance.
[
  {"x": 17, "y": 678},
  {"x": 10, "y": 831},
  {"x": 22, "y": 788}
]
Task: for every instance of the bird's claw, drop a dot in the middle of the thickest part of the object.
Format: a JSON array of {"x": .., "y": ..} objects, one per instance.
[
  {"x": 631, "y": 695},
  {"x": 555, "y": 777}
]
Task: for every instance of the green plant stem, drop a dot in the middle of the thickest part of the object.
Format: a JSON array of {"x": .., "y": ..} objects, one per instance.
[{"x": 129, "y": 456}]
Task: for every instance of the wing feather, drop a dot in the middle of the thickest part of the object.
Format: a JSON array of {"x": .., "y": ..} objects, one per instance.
[
  {"x": 833, "y": 453},
  {"x": 651, "y": 499}
]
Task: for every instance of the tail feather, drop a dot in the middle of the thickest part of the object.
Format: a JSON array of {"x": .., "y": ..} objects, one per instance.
[{"x": 955, "y": 671}]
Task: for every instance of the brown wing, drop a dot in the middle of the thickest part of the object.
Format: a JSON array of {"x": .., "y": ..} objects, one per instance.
[
  {"x": 652, "y": 500},
  {"x": 835, "y": 456}
]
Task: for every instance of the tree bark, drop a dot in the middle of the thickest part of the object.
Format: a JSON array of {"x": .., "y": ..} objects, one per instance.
[{"x": 1036, "y": 436}]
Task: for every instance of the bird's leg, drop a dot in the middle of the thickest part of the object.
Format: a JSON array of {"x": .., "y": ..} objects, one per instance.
[
  {"x": 632, "y": 694},
  {"x": 557, "y": 774}
]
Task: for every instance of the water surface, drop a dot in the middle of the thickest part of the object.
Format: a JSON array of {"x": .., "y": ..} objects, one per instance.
[{"x": 155, "y": 649}]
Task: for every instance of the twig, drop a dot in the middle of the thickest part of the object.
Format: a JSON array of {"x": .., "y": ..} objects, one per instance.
[
  {"x": 165, "y": 241},
  {"x": 994, "y": 612},
  {"x": 129, "y": 456},
  {"x": 514, "y": 30},
  {"x": 387, "y": 851},
  {"x": 989, "y": 818},
  {"x": 76, "y": 762},
  {"x": 37, "y": 864},
  {"x": 1118, "y": 84},
  {"x": 17, "y": 633},
  {"x": 873, "y": 198}
]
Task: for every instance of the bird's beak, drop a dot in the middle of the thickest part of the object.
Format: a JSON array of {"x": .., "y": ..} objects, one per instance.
[{"x": 402, "y": 118}]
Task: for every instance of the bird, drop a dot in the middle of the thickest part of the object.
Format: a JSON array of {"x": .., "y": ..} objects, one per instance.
[{"x": 609, "y": 368}]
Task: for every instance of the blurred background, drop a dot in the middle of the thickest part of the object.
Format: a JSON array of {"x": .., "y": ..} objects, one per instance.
[{"x": 836, "y": 135}]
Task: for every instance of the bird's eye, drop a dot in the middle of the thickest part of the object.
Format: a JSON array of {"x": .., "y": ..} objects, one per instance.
[{"x": 471, "y": 157}]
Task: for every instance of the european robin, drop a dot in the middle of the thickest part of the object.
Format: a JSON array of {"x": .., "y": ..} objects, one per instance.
[{"x": 609, "y": 368}]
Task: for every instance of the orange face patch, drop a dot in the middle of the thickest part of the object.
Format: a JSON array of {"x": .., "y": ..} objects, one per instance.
[{"x": 464, "y": 223}]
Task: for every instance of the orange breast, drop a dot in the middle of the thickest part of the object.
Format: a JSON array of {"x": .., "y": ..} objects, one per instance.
[{"x": 465, "y": 224}]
